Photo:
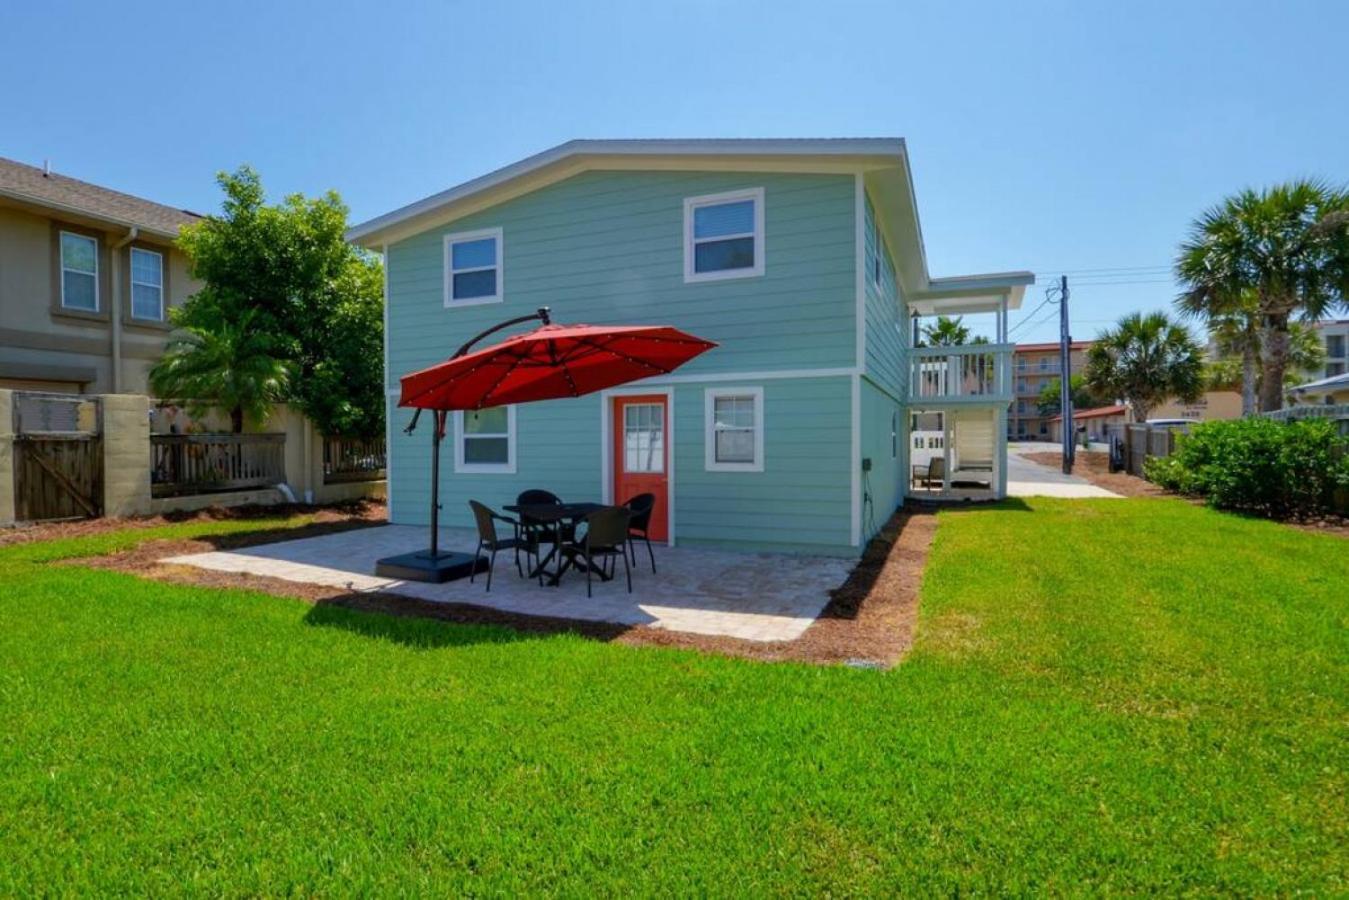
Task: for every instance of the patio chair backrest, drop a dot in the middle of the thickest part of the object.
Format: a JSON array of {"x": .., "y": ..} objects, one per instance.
[
  {"x": 607, "y": 528},
  {"x": 936, "y": 468},
  {"x": 487, "y": 529},
  {"x": 537, "y": 496},
  {"x": 640, "y": 507}
]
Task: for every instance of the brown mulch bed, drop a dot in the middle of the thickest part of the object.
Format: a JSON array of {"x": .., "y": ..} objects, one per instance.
[
  {"x": 1094, "y": 466},
  {"x": 369, "y": 512},
  {"x": 869, "y": 620}
]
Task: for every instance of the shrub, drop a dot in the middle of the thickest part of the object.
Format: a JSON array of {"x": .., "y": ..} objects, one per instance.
[{"x": 1259, "y": 465}]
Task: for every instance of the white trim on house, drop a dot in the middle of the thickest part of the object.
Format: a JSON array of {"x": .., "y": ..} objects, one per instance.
[
  {"x": 131, "y": 279},
  {"x": 60, "y": 250},
  {"x": 506, "y": 468},
  {"x": 710, "y": 397},
  {"x": 388, "y": 393},
  {"x": 768, "y": 375},
  {"x": 690, "y": 242},
  {"x": 607, "y": 447},
  {"x": 855, "y": 491},
  {"x": 462, "y": 237}
]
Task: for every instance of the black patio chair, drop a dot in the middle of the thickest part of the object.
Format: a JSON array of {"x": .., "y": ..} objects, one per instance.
[
  {"x": 934, "y": 476},
  {"x": 489, "y": 540},
  {"x": 606, "y": 537},
  {"x": 639, "y": 525},
  {"x": 540, "y": 497}
]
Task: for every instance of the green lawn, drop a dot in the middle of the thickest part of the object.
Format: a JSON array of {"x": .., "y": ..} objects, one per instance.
[{"x": 1132, "y": 695}]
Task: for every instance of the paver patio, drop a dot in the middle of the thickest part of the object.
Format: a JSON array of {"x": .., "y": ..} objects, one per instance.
[{"x": 752, "y": 596}]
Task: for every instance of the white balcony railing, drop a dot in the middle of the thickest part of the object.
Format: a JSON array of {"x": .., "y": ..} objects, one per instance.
[{"x": 980, "y": 371}]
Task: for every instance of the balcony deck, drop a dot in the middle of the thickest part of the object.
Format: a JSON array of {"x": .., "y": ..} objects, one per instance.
[{"x": 978, "y": 374}]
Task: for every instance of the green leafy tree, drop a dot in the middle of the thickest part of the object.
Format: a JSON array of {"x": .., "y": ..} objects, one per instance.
[
  {"x": 289, "y": 268},
  {"x": 229, "y": 363},
  {"x": 1271, "y": 255},
  {"x": 1145, "y": 360},
  {"x": 1082, "y": 396}
]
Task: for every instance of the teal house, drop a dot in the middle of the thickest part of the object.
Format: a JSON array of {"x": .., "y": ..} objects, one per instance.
[{"x": 802, "y": 259}]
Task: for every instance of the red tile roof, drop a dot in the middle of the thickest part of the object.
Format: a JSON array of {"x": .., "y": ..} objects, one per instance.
[
  {"x": 1033, "y": 348},
  {"x": 1099, "y": 412}
]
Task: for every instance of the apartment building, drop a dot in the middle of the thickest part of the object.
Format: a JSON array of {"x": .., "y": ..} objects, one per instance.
[
  {"x": 1033, "y": 367},
  {"x": 1334, "y": 334}
]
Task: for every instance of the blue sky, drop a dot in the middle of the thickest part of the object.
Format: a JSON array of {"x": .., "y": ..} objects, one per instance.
[{"x": 1072, "y": 136}]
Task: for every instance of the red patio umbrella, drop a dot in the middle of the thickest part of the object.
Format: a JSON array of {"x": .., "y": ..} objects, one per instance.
[{"x": 549, "y": 362}]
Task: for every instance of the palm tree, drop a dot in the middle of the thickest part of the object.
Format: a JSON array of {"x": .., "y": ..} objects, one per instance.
[
  {"x": 947, "y": 332},
  {"x": 1237, "y": 365},
  {"x": 1145, "y": 360},
  {"x": 229, "y": 365},
  {"x": 1284, "y": 249}
]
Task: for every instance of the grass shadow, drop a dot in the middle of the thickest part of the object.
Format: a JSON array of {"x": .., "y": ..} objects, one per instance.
[{"x": 426, "y": 625}]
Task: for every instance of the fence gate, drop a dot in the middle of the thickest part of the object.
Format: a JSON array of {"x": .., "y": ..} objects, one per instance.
[{"x": 58, "y": 457}]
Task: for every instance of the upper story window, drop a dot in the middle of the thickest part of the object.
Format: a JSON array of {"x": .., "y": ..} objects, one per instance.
[
  {"x": 1335, "y": 346},
  {"x": 79, "y": 272},
  {"x": 484, "y": 440},
  {"x": 473, "y": 267},
  {"x": 147, "y": 285},
  {"x": 734, "y": 430},
  {"x": 724, "y": 236}
]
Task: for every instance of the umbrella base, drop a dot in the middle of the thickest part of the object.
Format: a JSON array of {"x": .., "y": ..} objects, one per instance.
[{"x": 421, "y": 566}]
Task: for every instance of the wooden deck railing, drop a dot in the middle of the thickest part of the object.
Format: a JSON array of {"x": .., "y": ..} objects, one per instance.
[
  {"x": 970, "y": 372},
  {"x": 353, "y": 459},
  {"x": 207, "y": 463}
]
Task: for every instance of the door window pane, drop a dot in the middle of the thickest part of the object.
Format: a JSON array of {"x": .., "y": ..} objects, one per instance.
[{"x": 644, "y": 437}]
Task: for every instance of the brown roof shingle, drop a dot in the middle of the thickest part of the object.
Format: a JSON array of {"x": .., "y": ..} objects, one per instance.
[{"x": 25, "y": 182}]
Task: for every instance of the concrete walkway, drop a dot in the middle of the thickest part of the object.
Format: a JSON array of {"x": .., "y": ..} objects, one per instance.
[
  {"x": 1031, "y": 479},
  {"x": 752, "y": 596}
]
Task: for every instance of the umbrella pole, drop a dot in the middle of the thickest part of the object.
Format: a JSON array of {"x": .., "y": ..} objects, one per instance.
[{"x": 437, "y": 432}]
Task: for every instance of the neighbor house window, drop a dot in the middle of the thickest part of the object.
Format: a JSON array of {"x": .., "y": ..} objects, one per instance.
[
  {"x": 147, "y": 285},
  {"x": 724, "y": 236},
  {"x": 473, "y": 268},
  {"x": 79, "y": 272},
  {"x": 734, "y": 429},
  {"x": 484, "y": 440},
  {"x": 1335, "y": 345}
]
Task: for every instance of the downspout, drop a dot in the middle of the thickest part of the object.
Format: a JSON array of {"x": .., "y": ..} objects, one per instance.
[{"x": 117, "y": 307}]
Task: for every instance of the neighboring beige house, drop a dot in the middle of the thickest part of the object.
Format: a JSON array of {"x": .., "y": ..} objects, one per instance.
[
  {"x": 87, "y": 276},
  {"x": 1033, "y": 367},
  {"x": 1093, "y": 421},
  {"x": 1211, "y": 405},
  {"x": 1329, "y": 391}
]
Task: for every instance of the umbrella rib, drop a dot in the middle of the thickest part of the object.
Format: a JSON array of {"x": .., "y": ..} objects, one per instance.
[
  {"x": 632, "y": 359},
  {"x": 509, "y": 369}
]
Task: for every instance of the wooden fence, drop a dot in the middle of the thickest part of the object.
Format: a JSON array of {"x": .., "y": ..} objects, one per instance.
[
  {"x": 58, "y": 457},
  {"x": 347, "y": 459},
  {"x": 206, "y": 463},
  {"x": 1139, "y": 441}
]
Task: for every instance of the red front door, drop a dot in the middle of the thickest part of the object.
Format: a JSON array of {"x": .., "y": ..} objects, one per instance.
[{"x": 642, "y": 455}]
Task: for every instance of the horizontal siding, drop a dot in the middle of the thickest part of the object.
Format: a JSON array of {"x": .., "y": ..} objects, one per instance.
[
  {"x": 608, "y": 247},
  {"x": 799, "y": 503},
  {"x": 887, "y": 336},
  {"x": 886, "y": 482}
]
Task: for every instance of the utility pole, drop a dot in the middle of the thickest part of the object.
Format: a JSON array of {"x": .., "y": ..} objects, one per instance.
[{"x": 1065, "y": 378}]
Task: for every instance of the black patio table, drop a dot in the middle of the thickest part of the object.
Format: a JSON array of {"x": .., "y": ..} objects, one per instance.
[{"x": 555, "y": 514}]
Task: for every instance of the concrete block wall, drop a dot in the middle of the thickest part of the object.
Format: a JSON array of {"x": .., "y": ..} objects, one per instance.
[
  {"x": 126, "y": 454},
  {"x": 6, "y": 457}
]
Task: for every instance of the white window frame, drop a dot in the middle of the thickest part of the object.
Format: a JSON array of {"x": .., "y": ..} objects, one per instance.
[
  {"x": 693, "y": 203},
  {"x": 461, "y": 237},
  {"x": 131, "y": 279},
  {"x": 98, "y": 300},
  {"x": 710, "y": 398},
  {"x": 506, "y": 468}
]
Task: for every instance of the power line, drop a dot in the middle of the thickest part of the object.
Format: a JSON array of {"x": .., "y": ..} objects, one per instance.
[{"x": 1042, "y": 270}]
